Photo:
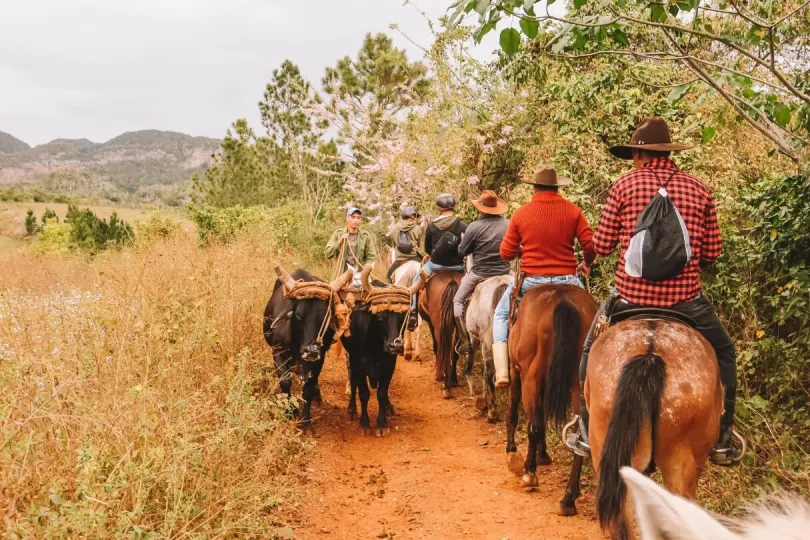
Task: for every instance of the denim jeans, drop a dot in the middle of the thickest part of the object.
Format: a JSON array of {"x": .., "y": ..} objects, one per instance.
[
  {"x": 500, "y": 325},
  {"x": 430, "y": 268}
]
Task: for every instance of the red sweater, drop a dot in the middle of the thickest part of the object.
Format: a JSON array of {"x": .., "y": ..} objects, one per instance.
[{"x": 546, "y": 229}]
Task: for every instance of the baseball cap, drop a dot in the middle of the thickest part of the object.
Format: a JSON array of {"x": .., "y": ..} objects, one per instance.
[{"x": 353, "y": 210}]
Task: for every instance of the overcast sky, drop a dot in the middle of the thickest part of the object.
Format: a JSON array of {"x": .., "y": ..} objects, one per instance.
[{"x": 97, "y": 68}]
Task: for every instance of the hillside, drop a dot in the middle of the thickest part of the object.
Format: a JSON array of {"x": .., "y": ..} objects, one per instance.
[
  {"x": 10, "y": 144},
  {"x": 128, "y": 161}
]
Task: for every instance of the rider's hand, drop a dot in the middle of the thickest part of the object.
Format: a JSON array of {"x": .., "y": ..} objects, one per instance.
[
  {"x": 425, "y": 259},
  {"x": 583, "y": 269}
]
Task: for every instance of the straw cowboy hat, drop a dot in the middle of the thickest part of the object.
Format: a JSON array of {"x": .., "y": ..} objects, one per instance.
[
  {"x": 651, "y": 134},
  {"x": 489, "y": 203},
  {"x": 547, "y": 176}
]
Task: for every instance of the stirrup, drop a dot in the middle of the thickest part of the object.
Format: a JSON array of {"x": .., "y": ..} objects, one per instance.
[
  {"x": 573, "y": 441},
  {"x": 727, "y": 457}
]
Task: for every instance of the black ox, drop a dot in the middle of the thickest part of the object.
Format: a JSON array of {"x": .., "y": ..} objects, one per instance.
[
  {"x": 297, "y": 330},
  {"x": 373, "y": 344}
]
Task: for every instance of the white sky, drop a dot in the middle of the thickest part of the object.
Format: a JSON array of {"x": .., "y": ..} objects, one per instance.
[{"x": 97, "y": 68}]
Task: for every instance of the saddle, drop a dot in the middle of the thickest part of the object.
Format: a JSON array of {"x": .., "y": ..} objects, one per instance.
[{"x": 613, "y": 314}]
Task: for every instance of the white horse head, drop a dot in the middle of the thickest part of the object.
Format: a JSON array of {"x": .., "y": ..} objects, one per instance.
[{"x": 664, "y": 516}]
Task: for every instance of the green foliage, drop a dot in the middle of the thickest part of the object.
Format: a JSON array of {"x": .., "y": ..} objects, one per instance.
[
  {"x": 157, "y": 227},
  {"x": 381, "y": 77},
  {"x": 218, "y": 225},
  {"x": 754, "y": 56},
  {"x": 31, "y": 223},
  {"x": 54, "y": 237},
  {"x": 49, "y": 214},
  {"x": 91, "y": 233},
  {"x": 28, "y": 194},
  {"x": 244, "y": 173}
]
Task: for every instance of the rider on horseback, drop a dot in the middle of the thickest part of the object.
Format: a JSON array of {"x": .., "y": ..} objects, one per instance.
[
  {"x": 482, "y": 240},
  {"x": 653, "y": 169},
  {"x": 545, "y": 230},
  {"x": 407, "y": 236},
  {"x": 442, "y": 239}
]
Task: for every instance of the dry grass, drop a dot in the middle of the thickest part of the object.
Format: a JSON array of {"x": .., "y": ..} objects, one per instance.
[{"x": 138, "y": 396}]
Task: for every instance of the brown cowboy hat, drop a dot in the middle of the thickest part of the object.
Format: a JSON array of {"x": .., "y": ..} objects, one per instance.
[
  {"x": 489, "y": 203},
  {"x": 547, "y": 176},
  {"x": 651, "y": 134}
]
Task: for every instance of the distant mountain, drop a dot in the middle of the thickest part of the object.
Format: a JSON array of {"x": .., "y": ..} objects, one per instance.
[
  {"x": 10, "y": 144},
  {"x": 131, "y": 160}
]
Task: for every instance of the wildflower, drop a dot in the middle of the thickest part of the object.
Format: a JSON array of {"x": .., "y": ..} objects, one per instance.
[
  {"x": 760, "y": 334},
  {"x": 472, "y": 180}
]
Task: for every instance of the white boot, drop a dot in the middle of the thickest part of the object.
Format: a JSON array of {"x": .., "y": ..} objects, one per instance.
[{"x": 500, "y": 356}]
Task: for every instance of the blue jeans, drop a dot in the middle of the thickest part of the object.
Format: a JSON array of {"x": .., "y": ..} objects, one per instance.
[
  {"x": 500, "y": 324},
  {"x": 430, "y": 268}
]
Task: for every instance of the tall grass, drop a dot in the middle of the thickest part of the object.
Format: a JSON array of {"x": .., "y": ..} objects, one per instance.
[{"x": 138, "y": 395}]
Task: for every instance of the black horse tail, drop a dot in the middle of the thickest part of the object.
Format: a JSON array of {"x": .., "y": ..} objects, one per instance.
[
  {"x": 564, "y": 364},
  {"x": 447, "y": 324},
  {"x": 638, "y": 400}
]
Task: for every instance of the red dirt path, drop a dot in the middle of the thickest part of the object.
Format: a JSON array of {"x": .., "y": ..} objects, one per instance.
[{"x": 441, "y": 473}]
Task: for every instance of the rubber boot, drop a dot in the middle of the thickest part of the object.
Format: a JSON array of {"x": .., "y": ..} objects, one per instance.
[
  {"x": 500, "y": 357},
  {"x": 464, "y": 347},
  {"x": 724, "y": 453}
]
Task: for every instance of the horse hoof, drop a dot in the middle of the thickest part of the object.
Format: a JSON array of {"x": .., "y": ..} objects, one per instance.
[
  {"x": 514, "y": 463},
  {"x": 530, "y": 480},
  {"x": 568, "y": 511},
  {"x": 544, "y": 460},
  {"x": 365, "y": 431},
  {"x": 383, "y": 432},
  {"x": 492, "y": 418},
  {"x": 447, "y": 394},
  {"x": 481, "y": 403}
]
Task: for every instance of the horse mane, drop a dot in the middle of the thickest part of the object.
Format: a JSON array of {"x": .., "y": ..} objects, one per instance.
[{"x": 663, "y": 515}]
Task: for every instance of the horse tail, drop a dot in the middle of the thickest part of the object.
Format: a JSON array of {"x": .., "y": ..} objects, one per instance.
[
  {"x": 637, "y": 400},
  {"x": 496, "y": 296},
  {"x": 446, "y": 324},
  {"x": 564, "y": 365}
]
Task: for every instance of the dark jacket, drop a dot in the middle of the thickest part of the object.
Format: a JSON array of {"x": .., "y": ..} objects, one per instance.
[
  {"x": 436, "y": 231},
  {"x": 482, "y": 240}
]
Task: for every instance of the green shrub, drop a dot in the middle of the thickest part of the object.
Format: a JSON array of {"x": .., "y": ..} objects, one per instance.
[
  {"x": 91, "y": 233},
  {"x": 157, "y": 227},
  {"x": 223, "y": 224},
  {"x": 54, "y": 237},
  {"x": 30, "y": 223}
]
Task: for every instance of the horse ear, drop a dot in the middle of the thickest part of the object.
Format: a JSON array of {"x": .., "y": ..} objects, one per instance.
[{"x": 664, "y": 516}]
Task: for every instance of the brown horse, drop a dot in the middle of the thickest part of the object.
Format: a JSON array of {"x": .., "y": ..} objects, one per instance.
[
  {"x": 654, "y": 396},
  {"x": 436, "y": 308},
  {"x": 545, "y": 346}
]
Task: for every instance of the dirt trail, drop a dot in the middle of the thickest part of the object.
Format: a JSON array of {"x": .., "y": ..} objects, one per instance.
[{"x": 440, "y": 474}]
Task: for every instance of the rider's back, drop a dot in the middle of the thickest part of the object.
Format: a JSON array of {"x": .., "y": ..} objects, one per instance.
[{"x": 629, "y": 197}]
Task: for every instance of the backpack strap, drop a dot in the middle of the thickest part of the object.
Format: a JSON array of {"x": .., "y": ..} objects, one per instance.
[{"x": 671, "y": 176}]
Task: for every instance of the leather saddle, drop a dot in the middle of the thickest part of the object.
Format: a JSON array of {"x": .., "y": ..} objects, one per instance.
[{"x": 619, "y": 315}]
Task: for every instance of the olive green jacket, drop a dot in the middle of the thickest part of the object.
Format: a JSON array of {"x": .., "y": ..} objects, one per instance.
[{"x": 365, "y": 253}]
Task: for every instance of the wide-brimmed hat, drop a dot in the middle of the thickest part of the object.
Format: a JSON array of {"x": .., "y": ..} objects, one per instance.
[
  {"x": 651, "y": 134},
  {"x": 547, "y": 176},
  {"x": 489, "y": 203}
]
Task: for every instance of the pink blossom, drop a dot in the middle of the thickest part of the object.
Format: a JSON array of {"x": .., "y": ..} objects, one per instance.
[{"x": 472, "y": 180}]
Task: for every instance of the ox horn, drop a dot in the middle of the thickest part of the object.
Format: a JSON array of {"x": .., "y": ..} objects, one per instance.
[
  {"x": 286, "y": 279},
  {"x": 342, "y": 281},
  {"x": 416, "y": 287},
  {"x": 364, "y": 278}
]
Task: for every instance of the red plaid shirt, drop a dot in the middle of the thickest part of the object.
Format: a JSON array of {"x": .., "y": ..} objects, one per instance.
[{"x": 627, "y": 199}]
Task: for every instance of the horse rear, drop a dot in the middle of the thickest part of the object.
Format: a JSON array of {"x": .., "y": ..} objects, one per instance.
[
  {"x": 436, "y": 306},
  {"x": 545, "y": 347},
  {"x": 479, "y": 318},
  {"x": 655, "y": 400}
]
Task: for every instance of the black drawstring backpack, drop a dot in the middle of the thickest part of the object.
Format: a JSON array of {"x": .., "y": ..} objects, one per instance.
[{"x": 659, "y": 248}]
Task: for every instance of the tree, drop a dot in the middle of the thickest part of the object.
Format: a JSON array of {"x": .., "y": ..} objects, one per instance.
[
  {"x": 752, "y": 53},
  {"x": 288, "y": 115},
  {"x": 380, "y": 81},
  {"x": 245, "y": 172},
  {"x": 30, "y": 223}
]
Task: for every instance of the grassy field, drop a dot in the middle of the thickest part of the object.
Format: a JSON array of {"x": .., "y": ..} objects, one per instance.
[{"x": 139, "y": 397}]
